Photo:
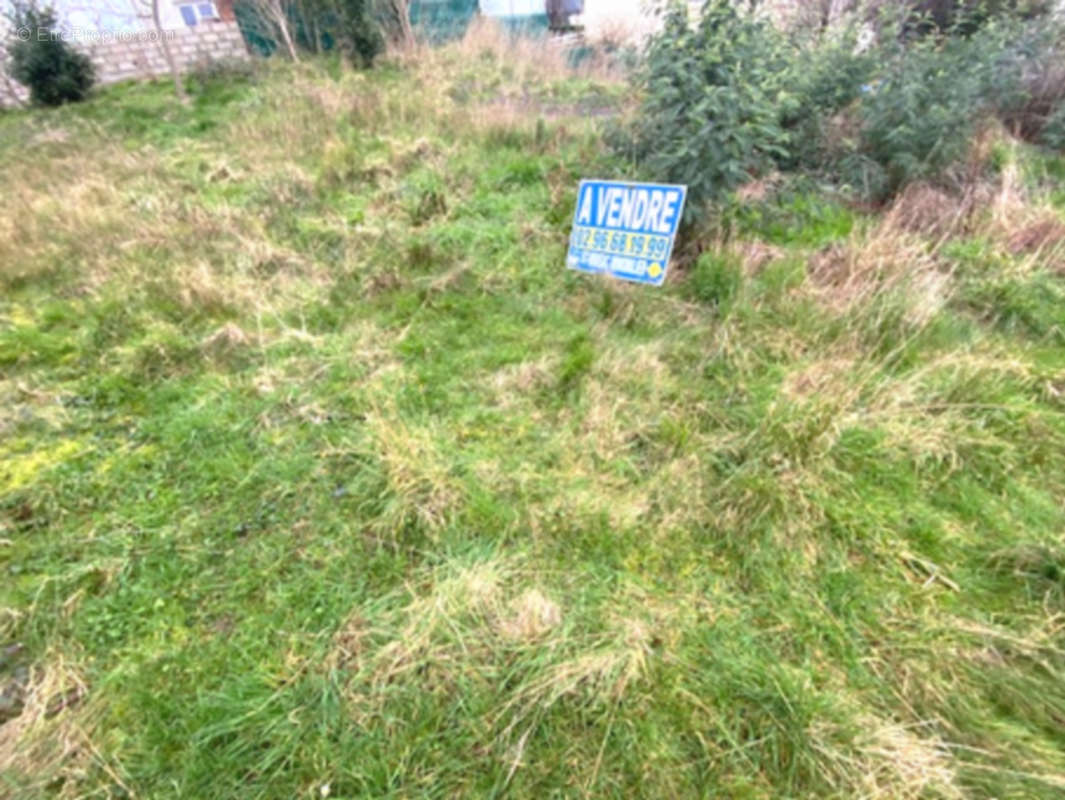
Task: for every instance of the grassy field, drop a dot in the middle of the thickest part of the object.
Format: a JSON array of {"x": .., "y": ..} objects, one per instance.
[{"x": 321, "y": 476}]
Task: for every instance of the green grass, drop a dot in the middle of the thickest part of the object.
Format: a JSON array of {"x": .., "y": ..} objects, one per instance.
[{"x": 318, "y": 469}]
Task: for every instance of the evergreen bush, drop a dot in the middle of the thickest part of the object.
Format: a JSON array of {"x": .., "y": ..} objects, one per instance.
[{"x": 53, "y": 71}]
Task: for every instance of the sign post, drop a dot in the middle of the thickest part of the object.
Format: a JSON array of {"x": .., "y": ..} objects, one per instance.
[{"x": 626, "y": 230}]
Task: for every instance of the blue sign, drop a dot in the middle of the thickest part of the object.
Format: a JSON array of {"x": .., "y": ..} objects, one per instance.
[{"x": 625, "y": 229}]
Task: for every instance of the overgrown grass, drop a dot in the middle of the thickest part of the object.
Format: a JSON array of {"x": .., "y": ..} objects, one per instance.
[{"x": 321, "y": 476}]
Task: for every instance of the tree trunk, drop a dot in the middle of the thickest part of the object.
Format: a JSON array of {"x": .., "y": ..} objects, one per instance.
[
  {"x": 179, "y": 86},
  {"x": 405, "y": 34},
  {"x": 309, "y": 19},
  {"x": 281, "y": 21}
]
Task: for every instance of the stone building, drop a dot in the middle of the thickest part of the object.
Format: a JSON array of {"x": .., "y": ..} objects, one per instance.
[{"x": 121, "y": 38}]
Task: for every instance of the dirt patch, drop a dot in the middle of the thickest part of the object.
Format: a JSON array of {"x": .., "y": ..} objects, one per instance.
[
  {"x": 227, "y": 338},
  {"x": 760, "y": 189},
  {"x": 906, "y": 761},
  {"x": 1043, "y": 234},
  {"x": 817, "y": 378},
  {"x": 45, "y": 738},
  {"x": 350, "y": 644},
  {"x": 530, "y": 617},
  {"x": 756, "y": 255},
  {"x": 836, "y": 276},
  {"x": 844, "y": 274},
  {"x": 930, "y": 211}
]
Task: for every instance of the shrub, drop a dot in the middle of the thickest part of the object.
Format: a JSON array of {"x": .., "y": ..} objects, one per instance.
[
  {"x": 918, "y": 118},
  {"x": 827, "y": 75},
  {"x": 1053, "y": 133},
  {"x": 353, "y": 28},
  {"x": 1029, "y": 111},
  {"x": 54, "y": 72},
  {"x": 731, "y": 96},
  {"x": 358, "y": 31},
  {"x": 715, "y": 280},
  {"x": 713, "y": 99},
  {"x": 965, "y": 17}
]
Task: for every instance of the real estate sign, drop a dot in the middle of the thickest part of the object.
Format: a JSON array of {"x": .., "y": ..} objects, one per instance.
[{"x": 625, "y": 230}]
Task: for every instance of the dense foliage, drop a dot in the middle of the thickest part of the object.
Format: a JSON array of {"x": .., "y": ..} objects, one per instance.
[
  {"x": 1053, "y": 133},
  {"x": 714, "y": 95},
  {"x": 965, "y": 16},
  {"x": 917, "y": 119},
  {"x": 730, "y": 96},
  {"x": 44, "y": 62},
  {"x": 358, "y": 30}
]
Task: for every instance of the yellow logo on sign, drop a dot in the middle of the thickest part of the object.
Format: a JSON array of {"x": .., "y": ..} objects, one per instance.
[{"x": 654, "y": 270}]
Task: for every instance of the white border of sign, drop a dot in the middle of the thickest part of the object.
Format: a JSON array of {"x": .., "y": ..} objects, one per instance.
[{"x": 672, "y": 237}]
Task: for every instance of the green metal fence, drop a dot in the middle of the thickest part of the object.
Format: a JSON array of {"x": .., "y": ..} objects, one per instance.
[
  {"x": 441, "y": 20},
  {"x": 434, "y": 21}
]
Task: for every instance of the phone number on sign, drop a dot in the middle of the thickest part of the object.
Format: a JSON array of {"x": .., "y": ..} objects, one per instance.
[{"x": 607, "y": 241}]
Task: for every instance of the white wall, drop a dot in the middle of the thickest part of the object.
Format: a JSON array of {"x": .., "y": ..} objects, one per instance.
[
  {"x": 597, "y": 13},
  {"x": 512, "y": 8},
  {"x": 631, "y": 18},
  {"x": 101, "y": 15},
  {"x": 119, "y": 16}
]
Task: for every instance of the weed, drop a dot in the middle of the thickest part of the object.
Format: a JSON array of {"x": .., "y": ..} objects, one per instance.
[{"x": 321, "y": 475}]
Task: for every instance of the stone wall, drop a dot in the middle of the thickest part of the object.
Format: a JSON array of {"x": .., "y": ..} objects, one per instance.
[{"x": 139, "y": 54}]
